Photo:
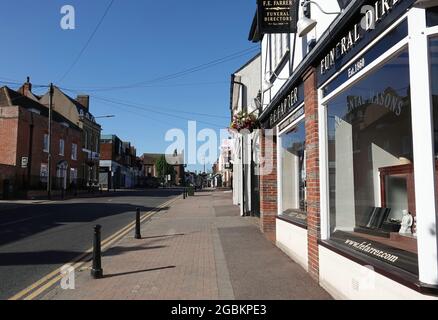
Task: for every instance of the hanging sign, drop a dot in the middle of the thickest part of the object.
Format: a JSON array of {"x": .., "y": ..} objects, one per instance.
[{"x": 277, "y": 16}]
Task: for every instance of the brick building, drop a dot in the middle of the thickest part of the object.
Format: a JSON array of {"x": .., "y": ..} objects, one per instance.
[
  {"x": 24, "y": 147},
  {"x": 119, "y": 165},
  {"x": 149, "y": 169},
  {"x": 78, "y": 112},
  {"x": 347, "y": 133}
]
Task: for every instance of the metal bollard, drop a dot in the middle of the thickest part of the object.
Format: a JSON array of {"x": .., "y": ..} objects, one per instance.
[
  {"x": 184, "y": 193},
  {"x": 137, "y": 225},
  {"x": 96, "y": 271}
]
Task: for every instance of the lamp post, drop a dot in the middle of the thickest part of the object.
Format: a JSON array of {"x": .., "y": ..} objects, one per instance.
[{"x": 49, "y": 138}]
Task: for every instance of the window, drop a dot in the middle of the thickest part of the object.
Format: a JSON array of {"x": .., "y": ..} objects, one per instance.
[
  {"x": 293, "y": 173},
  {"x": 74, "y": 151},
  {"x": 73, "y": 175},
  {"x": 371, "y": 173},
  {"x": 61, "y": 147},
  {"x": 46, "y": 143}
]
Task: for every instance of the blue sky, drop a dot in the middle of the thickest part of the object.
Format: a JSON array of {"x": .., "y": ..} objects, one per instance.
[{"x": 138, "y": 41}]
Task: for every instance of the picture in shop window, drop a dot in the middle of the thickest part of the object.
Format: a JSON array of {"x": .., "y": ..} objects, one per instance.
[
  {"x": 293, "y": 174},
  {"x": 371, "y": 170}
]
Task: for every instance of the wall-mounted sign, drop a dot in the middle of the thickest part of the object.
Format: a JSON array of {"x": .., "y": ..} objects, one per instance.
[
  {"x": 276, "y": 16},
  {"x": 285, "y": 106},
  {"x": 372, "y": 15},
  {"x": 24, "y": 162}
]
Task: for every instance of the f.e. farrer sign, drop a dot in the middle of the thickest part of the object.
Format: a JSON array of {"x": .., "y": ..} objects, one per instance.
[{"x": 277, "y": 16}]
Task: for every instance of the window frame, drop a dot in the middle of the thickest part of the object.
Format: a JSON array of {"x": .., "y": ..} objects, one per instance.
[
  {"x": 74, "y": 151},
  {"x": 422, "y": 122},
  {"x": 46, "y": 142},
  {"x": 295, "y": 123},
  {"x": 61, "y": 147}
]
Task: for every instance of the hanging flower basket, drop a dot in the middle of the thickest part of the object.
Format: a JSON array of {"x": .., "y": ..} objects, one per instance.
[{"x": 244, "y": 121}]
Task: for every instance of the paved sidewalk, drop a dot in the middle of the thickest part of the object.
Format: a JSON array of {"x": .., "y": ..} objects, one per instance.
[{"x": 198, "y": 249}]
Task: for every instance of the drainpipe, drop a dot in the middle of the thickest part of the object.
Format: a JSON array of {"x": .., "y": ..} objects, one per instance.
[{"x": 29, "y": 161}]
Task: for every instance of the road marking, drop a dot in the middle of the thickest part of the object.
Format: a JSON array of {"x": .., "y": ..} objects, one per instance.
[{"x": 37, "y": 288}]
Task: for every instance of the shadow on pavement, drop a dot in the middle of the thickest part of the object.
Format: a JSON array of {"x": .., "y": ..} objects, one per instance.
[
  {"x": 135, "y": 272},
  {"x": 115, "y": 251}
]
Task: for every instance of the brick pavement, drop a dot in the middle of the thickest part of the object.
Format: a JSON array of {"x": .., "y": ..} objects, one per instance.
[{"x": 198, "y": 249}]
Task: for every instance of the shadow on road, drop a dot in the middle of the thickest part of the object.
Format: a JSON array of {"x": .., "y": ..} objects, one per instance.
[{"x": 37, "y": 258}]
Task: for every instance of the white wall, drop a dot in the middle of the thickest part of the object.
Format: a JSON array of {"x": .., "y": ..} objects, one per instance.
[
  {"x": 345, "y": 279},
  {"x": 292, "y": 240}
]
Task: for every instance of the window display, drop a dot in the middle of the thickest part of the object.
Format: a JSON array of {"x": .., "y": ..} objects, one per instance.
[
  {"x": 371, "y": 172},
  {"x": 293, "y": 173}
]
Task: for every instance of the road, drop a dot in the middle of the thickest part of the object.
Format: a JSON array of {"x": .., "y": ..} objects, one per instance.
[{"x": 36, "y": 239}]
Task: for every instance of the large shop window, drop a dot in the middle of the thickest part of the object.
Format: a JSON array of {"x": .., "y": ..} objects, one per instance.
[
  {"x": 371, "y": 172},
  {"x": 293, "y": 174}
]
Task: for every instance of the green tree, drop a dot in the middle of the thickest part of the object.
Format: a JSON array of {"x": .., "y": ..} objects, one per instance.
[{"x": 164, "y": 169}]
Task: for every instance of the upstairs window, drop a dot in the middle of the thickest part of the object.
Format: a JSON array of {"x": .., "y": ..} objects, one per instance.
[
  {"x": 61, "y": 147},
  {"x": 46, "y": 143}
]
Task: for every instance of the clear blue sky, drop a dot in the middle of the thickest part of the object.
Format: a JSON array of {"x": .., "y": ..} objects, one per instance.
[{"x": 138, "y": 41}]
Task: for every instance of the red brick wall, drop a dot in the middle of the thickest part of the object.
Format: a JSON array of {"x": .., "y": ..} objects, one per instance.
[
  {"x": 106, "y": 151},
  {"x": 313, "y": 191},
  {"x": 268, "y": 188},
  {"x": 15, "y": 137},
  {"x": 8, "y": 135}
]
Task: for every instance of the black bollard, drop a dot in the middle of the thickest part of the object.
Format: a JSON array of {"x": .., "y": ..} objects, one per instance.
[
  {"x": 137, "y": 225},
  {"x": 184, "y": 194},
  {"x": 96, "y": 271}
]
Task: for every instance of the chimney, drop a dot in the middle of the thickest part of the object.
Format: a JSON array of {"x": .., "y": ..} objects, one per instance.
[
  {"x": 26, "y": 89},
  {"x": 84, "y": 100}
]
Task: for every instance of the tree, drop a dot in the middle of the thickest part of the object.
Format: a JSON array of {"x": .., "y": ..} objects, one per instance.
[{"x": 164, "y": 169}]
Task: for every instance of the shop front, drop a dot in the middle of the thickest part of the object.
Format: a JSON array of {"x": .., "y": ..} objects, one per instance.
[
  {"x": 377, "y": 114},
  {"x": 357, "y": 154}
]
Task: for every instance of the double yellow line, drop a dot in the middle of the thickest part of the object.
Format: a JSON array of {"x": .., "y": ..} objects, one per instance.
[{"x": 45, "y": 283}]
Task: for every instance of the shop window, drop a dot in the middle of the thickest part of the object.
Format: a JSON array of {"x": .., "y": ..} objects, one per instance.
[
  {"x": 293, "y": 174},
  {"x": 371, "y": 172}
]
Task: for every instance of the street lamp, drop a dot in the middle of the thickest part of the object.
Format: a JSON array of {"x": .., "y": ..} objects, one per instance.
[{"x": 108, "y": 116}]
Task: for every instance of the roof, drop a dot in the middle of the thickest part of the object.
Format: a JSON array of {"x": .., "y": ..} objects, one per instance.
[
  {"x": 254, "y": 34},
  {"x": 82, "y": 110},
  {"x": 11, "y": 98}
]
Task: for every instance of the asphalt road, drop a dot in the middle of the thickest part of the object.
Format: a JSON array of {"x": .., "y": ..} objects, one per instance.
[{"x": 36, "y": 239}]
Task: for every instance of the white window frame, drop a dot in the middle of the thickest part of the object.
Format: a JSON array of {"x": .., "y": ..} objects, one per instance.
[
  {"x": 74, "y": 151},
  {"x": 279, "y": 157},
  {"x": 46, "y": 142},
  {"x": 422, "y": 134},
  {"x": 61, "y": 147}
]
